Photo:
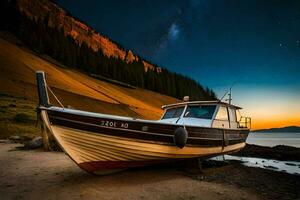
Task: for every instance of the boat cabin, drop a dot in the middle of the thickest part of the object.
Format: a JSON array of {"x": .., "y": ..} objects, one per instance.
[{"x": 215, "y": 114}]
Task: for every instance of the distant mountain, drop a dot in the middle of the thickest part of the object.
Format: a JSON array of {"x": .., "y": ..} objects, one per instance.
[{"x": 290, "y": 129}]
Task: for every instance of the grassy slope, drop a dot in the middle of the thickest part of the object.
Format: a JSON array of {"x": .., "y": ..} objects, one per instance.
[
  {"x": 18, "y": 87},
  {"x": 10, "y": 106}
]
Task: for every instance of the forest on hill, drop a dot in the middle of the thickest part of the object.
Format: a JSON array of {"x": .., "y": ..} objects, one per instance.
[{"x": 54, "y": 42}]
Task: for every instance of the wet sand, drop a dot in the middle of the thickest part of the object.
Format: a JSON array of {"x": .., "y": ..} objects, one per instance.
[{"x": 36, "y": 174}]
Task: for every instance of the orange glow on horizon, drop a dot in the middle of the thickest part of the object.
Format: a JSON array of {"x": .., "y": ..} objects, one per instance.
[
  {"x": 268, "y": 107},
  {"x": 265, "y": 117},
  {"x": 265, "y": 123},
  {"x": 262, "y": 119}
]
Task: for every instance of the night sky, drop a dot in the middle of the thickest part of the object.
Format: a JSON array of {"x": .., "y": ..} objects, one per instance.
[{"x": 254, "y": 45}]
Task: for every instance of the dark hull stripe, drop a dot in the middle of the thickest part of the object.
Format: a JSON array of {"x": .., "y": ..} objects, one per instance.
[
  {"x": 152, "y": 127},
  {"x": 55, "y": 119},
  {"x": 146, "y": 137}
]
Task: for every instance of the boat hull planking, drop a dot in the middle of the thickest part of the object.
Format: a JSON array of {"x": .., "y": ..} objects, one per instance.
[{"x": 100, "y": 145}]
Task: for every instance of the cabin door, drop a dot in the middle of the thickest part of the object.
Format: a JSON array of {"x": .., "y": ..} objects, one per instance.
[
  {"x": 221, "y": 119},
  {"x": 232, "y": 118}
]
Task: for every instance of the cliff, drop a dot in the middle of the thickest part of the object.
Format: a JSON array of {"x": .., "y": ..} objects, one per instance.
[{"x": 56, "y": 17}]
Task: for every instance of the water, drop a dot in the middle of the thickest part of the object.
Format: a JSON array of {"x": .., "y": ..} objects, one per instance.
[
  {"x": 270, "y": 140},
  {"x": 291, "y": 167},
  {"x": 273, "y": 139}
]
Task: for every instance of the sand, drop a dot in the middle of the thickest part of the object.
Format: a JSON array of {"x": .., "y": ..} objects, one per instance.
[
  {"x": 36, "y": 174},
  {"x": 52, "y": 175}
]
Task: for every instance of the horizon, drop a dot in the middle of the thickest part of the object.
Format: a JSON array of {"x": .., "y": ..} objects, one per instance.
[
  {"x": 276, "y": 128},
  {"x": 254, "y": 45}
]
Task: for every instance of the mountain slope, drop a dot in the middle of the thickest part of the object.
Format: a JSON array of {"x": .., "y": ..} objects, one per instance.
[
  {"x": 18, "y": 65},
  {"x": 56, "y": 17},
  {"x": 48, "y": 29},
  {"x": 288, "y": 129}
]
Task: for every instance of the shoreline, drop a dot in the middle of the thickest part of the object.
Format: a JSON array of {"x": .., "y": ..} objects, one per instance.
[
  {"x": 33, "y": 174},
  {"x": 279, "y": 152}
]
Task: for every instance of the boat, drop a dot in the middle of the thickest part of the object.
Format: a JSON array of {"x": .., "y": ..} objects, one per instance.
[{"x": 100, "y": 143}]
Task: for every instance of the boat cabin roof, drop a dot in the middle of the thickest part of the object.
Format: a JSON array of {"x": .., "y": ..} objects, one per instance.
[{"x": 200, "y": 103}]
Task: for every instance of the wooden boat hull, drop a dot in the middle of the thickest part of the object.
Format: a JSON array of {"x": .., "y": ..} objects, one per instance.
[{"x": 102, "y": 144}]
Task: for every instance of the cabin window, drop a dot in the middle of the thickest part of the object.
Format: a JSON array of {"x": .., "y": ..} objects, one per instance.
[
  {"x": 232, "y": 114},
  {"x": 173, "y": 113},
  {"x": 200, "y": 111},
  {"x": 222, "y": 114}
]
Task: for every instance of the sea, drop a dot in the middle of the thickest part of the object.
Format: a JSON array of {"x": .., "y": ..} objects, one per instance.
[
  {"x": 273, "y": 139},
  {"x": 270, "y": 140}
]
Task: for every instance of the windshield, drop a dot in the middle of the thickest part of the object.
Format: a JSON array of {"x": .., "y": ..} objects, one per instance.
[
  {"x": 200, "y": 111},
  {"x": 173, "y": 113}
]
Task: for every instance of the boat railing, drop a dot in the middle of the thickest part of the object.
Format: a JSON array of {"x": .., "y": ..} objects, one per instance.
[{"x": 245, "y": 122}]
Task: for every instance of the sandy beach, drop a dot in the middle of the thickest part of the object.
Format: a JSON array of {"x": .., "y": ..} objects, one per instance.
[{"x": 35, "y": 174}]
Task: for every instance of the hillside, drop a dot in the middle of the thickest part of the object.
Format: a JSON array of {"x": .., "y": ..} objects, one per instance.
[
  {"x": 287, "y": 129},
  {"x": 48, "y": 29},
  {"x": 18, "y": 65},
  {"x": 81, "y": 32}
]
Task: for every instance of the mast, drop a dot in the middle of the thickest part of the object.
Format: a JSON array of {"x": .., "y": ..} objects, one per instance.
[
  {"x": 228, "y": 92},
  {"x": 229, "y": 96}
]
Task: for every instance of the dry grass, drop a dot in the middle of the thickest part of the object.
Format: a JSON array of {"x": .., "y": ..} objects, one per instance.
[{"x": 17, "y": 117}]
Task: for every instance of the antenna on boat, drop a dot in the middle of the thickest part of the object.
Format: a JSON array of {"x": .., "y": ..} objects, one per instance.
[
  {"x": 229, "y": 94},
  {"x": 229, "y": 97}
]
